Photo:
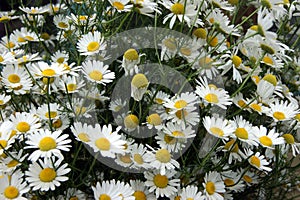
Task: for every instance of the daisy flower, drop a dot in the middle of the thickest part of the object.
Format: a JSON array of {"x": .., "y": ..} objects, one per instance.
[
  {"x": 146, "y": 7},
  {"x": 169, "y": 46},
  {"x": 6, "y": 139},
  {"x": 81, "y": 108},
  {"x": 232, "y": 147},
  {"x": 154, "y": 120},
  {"x": 7, "y": 57},
  {"x": 213, "y": 186},
  {"x": 131, "y": 122},
  {"x": 121, "y": 5},
  {"x": 282, "y": 110},
  {"x": 249, "y": 177},
  {"x": 81, "y": 131},
  {"x": 106, "y": 190},
  {"x": 47, "y": 144},
  {"x": 91, "y": 43},
  {"x": 4, "y": 99},
  {"x": 268, "y": 140},
  {"x": 140, "y": 190},
  {"x": 8, "y": 44},
  {"x": 184, "y": 101},
  {"x": 13, "y": 186},
  {"x": 218, "y": 127},
  {"x": 162, "y": 160},
  {"x": 16, "y": 79},
  {"x": 191, "y": 193},
  {"x": 45, "y": 113},
  {"x": 124, "y": 189},
  {"x": 25, "y": 122},
  {"x": 290, "y": 143},
  {"x": 179, "y": 131},
  {"x": 117, "y": 105},
  {"x": 139, "y": 85},
  {"x": 105, "y": 141},
  {"x": 124, "y": 160},
  {"x": 43, "y": 69},
  {"x": 34, "y": 10},
  {"x": 138, "y": 156},
  {"x": 131, "y": 59},
  {"x": 61, "y": 22},
  {"x": 6, "y": 16},
  {"x": 72, "y": 193},
  {"x": 172, "y": 144},
  {"x": 71, "y": 84},
  {"x": 10, "y": 163},
  {"x": 60, "y": 123},
  {"x": 163, "y": 185},
  {"x": 60, "y": 57},
  {"x": 97, "y": 72},
  {"x": 232, "y": 181},
  {"x": 258, "y": 161},
  {"x": 47, "y": 175},
  {"x": 84, "y": 20}
]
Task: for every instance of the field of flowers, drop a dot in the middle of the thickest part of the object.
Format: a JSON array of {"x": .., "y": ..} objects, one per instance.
[{"x": 150, "y": 99}]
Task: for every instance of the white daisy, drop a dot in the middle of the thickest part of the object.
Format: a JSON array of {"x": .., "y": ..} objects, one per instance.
[
  {"x": 124, "y": 189},
  {"x": 6, "y": 139},
  {"x": 97, "y": 72},
  {"x": 290, "y": 143},
  {"x": 4, "y": 99},
  {"x": 191, "y": 193},
  {"x": 218, "y": 127},
  {"x": 10, "y": 163},
  {"x": 184, "y": 101},
  {"x": 34, "y": 10},
  {"x": 213, "y": 186},
  {"x": 138, "y": 156},
  {"x": 258, "y": 161},
  {"x": 140, "y": 190},
  {"x": 71, "y": 84},
  {"x": 172, "y": 144},
  {"x": 91, "y": 43},
  {"x": 121, "y": 5},
  {"x": 81, "y": 131},
  {"x": 235, "y": 154},
  {"x": 139, "y": 85},
  {"x": 25, "y": 122},
  {"x": 232, "y": 181},
  {"x": 7, "y": 57},
  {"x": 269, "y": 139},
  {"x": 61, "y": 22},
  {"x": 106, "y": 190},
  {"x": 282, "y": 110},
  {"x": 43, "y": 69},
  {"x": 45, "y": 113},
  {"x": 60, "y": 57},
  {"x": 131, "y": 59}
]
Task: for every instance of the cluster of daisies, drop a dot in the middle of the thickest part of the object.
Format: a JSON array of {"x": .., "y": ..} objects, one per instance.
[{"x": 63, "y": 135}]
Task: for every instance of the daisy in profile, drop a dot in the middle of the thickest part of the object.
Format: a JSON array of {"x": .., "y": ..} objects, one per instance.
[
  {"x": 43, "y": 69},
  {"x": 213, "y": 186},
  {"x": 47, "y": 175},
  {"x": 6, "y": 57},
  {"x": 191, "y": 193},
  {"x": 47, "y": 144},
  {"x": 97, "y": 72},
  {"x": 146, "y": 7},
  {"x": 269, "y": 139},
  {"x": 232, "y": 148},
  {"x": 4, "y": 99},
  {"x": 138, "y": 156},
  {"x": 169, "y": 47},
  {"x": 25, "y": 122},
  {"x": 258, "y": 161},
  {"x": 282, "y": 110},
  {"x": 179, "y": 131},
  {"x": 131, "y": 122},
  {"x": 291, "y": 143},
  {"x": 10, "y": 163},
  {"x": 162, "y": 160},
  {"x": 232, "y": 181},
  {"x": 16, "y": 79},
  {"x": 106, "y": 141},
  {"x": 218, "y": 127},
  {"x": 121, "y": 5},
  {"x": 172, "y": 144},
  {"x": 249, "y": 177},
  {"x": 162, "y": 185},
  {"x": 81, "y": 131},
  {"x": 139, "y": 85},
  {"x": 6, "y": 140},
  {"x": 45, "y": 113},
  {"x": 154, "y": 120},
  {"x": 12, "y": 186},
  {"x": 34, "y": 10},
  {"x": 91, "y": 43},
  {"x": 106, "y": 190},
  {"x": 71, "y": 84},
  {"x": 131, "y": 59}
]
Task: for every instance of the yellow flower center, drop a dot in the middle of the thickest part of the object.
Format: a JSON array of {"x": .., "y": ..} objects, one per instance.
[
  {"x": 93, "y": 46},
  {"x": 297, "y": 117},
  {"x": 169, "y": 139},
  {"x": 139, "y": 81},
  {"x": 213, "y": 41},
  {"x": 160, "y": 181},
  {"x": 211, "y": 98},
  {"x": 23, "y": 127},
  {"x": 210, "y": 188},
  {"x": 178, "y": 134},
  {"x": 154, "y": 119},
  {"x": 180, "y": 104},
  {"x": 60, "y": 60},
  {"x": 200, "y": 33},
  {"x": 289, "y": 138},
  {"x": 47, "y": 143},
  {"x": 3, "y": 144},
  {"x": 236, "y": 60},
  {"x": 181, "y": 114},
  {"x": 21, "y": 39},
  {"x": 11, "y": 192},
  {"x": 255, "y": 107},
  {"x": 131, "y": 121},
  {"x": 47, "y": 79},
  {"x": 131, "y": 54},
  {"x": 247, "y": 178},
  {"x": 62, "y": 25},
  {"x": 51, "y": 114},
  {"x": 170, "y": 43},
  {"x": 10, "y": 45},
  {"x": 12, "y": 163},
  {"x": 233, "y": 2},
  {"x": 268, "y": 60},
  {"x": 47, "y": 175},
  {"x": 266, "y": 3},
  {"x": 96, "y": 75},
  {"x": 228, "y": 182},
  {"x": 118, "y": 5},
  {"x": 279, "y": 115},
  {"x": 242, "y": 103},
  {"x": 4, "y": 19},
  {"x": 185, "y": 51},
  {"x": 139, "y": 195},
  {"x": 14, "y": 78},
  {"x": 177, "y": 8},
  {"x": 84, "y": 137},
  {"x": 29, "y": 38},
  {"x": 229, "y": 144},
  {"x": 48, "y": 72},
  {"x": 138, "y": 159},
  {"x": 205, "y": 62},
  {"x": 255, "y": 161},
  {"x": 125, "y": 158},
  {"x": 163, "y": 155},
  {"x": 159, "y": 101},
  {"x": 71, "y": 87},
  {"x": 216, "y": 131},
  {"x": 241, "y": 133},
  {"x": 267, "y": 48},
  {"x": 103, "y": 144},
  {"x": 266, "y": 141},
  {"x": 271, "y": 79},
  {"x": 45, "y": 36},
  {"x": 57, "y": 123}
]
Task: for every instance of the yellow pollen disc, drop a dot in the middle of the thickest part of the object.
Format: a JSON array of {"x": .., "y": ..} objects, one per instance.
[
  {"x": 160, "y": 181},
  {"x": 82, "y": 17},
  {"x": 29, "y": 38},
  {"x": 279, "y": 115},
  {"x": 163, "y": 155},
  {"x": 211, "y": 20},
  {"x": 84, "y": 137},
  {"x": 242, "y": 103},
  {"x": 45, "y": 36},
  {"x": 125, "y": 158},
  {"x": 268, "y": 60},
  {"x": 211, "y": 98},
  {"x": 62, "y": 25},
  {"x": 131, "y": 54},
  {"x": 181, "y": 114},
  {"x": 177, "y": 8},
  {"x": 266, "y": 3},
  {"x": 93, "y": 46},
  {"x": 159, "y": 101},
  {"x": 60, "y": 60},
  {"x": 10, "y": 45},
  {"x": 18, "y": 87},
  {"x": 255, "y": 161},
  {"x": 4, "y": 19},
  {"x": 205, "y": 62},
  {"x": 169, "y": 139},
  {"x": 210, "y": 188},
  {"x": 47, "y": 175},
  {"x": 11, "y": 192},
  {"x": 180, "y": 104},
  {"x": 47, "y": 79},
  {"x": 255, "y": 107},
  {"x": 3, "y": 143},
  {"x": 57, "y": 123},
  {"x": 23, "y": 127},
  {"x": 266, "y": 141},
  {"x": 177, "y": 198},
  {"x": 170, "y": 43},
  {"x": 138, "y": 159},
  {"x": 256, "y": 79},
  {"x": 178, "y": 134},
  {"x": 139, "y": 195},
  {"x": 51, "y": 114},
  {"x": 200, "y": 33},
  {"x": 241, "y": 133},
  {"x": 1, "y": 59},
  {"x": 12, "y": 163},
  {"x": 139, "y": 81},
  {"x": 13, "y": 133},
  {"x": 228, "y": 182},
  {"x": 212, "y": 86},
  {"x": 267, "y": 48},
  {"x": 297, "y": 117},
  {"x": 1, "y": 102},
  {"x": 96, "y": 75},
  {"x": 21, "y": 39},
  {"x": 271, "y": 79},
  {"x": 213, "y": 41},
  {"x": 71, "y": 87},
  {"x": 48, "y": 72},
  {"x": 185, "y": 51},
  {"x": 47, "y": 143},
  {"x": 229, "y": 144},
  {"x": 14, "y": 78},
  {"x": 103, "y": 144},
  {"x": 289, "y": 138},
  {"x": 236, "y": 60},
  {"x": 74, "y": 198},
  {"x": 118, "y": 5},
  {"x": 247, "y": 178},
  {"x": 154, "y": 119},
  {"x": 233, "y": 2},
  {"x": 217, "y": 131},
  {"x": 131, "y": 121}
]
